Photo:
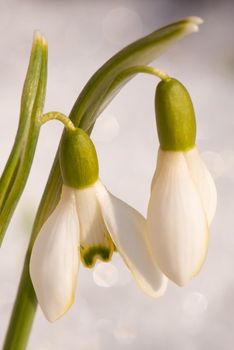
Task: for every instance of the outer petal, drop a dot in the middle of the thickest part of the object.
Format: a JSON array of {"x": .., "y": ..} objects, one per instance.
[
  {"x": 54, "y": 261},
  {"x": 158, "y": 167},
  {"x": 127, "y": 228},
  {"x": 95, "y": 241},
  {"x": 203, "y": 181},
  {"x": 176, "y": 220}
]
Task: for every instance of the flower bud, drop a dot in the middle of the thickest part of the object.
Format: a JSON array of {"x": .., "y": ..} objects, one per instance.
[
  {"x": 78, "y": 159},
  {"x": 175, "y": 117}
]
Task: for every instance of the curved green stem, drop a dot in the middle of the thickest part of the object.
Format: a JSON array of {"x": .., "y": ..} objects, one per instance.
[
  {"x": 58, "y": 116},
  {"x": 142, "y": 69}
]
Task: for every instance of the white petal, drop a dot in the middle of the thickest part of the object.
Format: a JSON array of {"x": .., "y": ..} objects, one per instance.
[
  {"x": 158, "y": 167},
  {"x": 95, "y": 241},
  {"x": 203, "y": 181},
  {"x": 176, "y": 220},
  {"x": 127, "y": 228},
  {"x": 55, "y": 261}
]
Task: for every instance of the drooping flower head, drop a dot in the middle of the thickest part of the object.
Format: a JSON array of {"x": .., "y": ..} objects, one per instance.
[
  {"x": 87, "y": 224},
  {"x": 183, "y": 194}
]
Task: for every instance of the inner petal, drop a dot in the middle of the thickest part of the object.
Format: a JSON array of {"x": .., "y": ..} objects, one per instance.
[{"x": 95, "y": 241}]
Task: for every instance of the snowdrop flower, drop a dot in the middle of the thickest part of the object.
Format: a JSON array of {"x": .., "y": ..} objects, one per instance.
[
  {"x": 183, "y": 195},
  {"x": 88, "y": 223}
]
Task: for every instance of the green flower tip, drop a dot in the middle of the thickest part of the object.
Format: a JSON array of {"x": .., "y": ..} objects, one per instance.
[
  {"x": 175, "y": 117},
  {"x": 78, "y": 159}
]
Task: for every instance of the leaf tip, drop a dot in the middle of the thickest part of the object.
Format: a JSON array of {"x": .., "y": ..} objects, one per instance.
[
  {"x": 195, "y": 20},
  {"x": 37, "y": 36},
  {"x": 192, "y": 24}
]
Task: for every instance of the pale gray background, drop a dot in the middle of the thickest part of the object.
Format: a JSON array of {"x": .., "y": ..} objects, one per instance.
[{"x": 82, "y": 35}]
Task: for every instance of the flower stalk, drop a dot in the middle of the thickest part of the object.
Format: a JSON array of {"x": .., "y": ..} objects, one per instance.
[{"x": 58, "y": 116}]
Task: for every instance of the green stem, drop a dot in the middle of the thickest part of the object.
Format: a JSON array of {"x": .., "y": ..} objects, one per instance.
[
  {"x": 142, "y": 69},
  {"x": 58, "y": 116},
  {"x": 23, "y": 313}
]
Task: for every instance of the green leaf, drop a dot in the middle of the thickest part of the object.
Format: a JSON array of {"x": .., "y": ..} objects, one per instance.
[{"x": 18, "y": 166}]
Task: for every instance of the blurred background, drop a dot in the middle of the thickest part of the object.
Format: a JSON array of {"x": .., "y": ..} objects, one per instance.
[{"x": 110, "y": 311}]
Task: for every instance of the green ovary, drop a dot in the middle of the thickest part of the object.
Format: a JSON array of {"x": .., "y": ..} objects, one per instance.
[{"x": 175, "y": 118}]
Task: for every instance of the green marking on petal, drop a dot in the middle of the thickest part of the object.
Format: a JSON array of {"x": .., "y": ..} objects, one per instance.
[{"x": 90, "y": 255}]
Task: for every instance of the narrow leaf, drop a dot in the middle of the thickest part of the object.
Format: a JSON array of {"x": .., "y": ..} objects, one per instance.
[{"x": 17, "y": 169}]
